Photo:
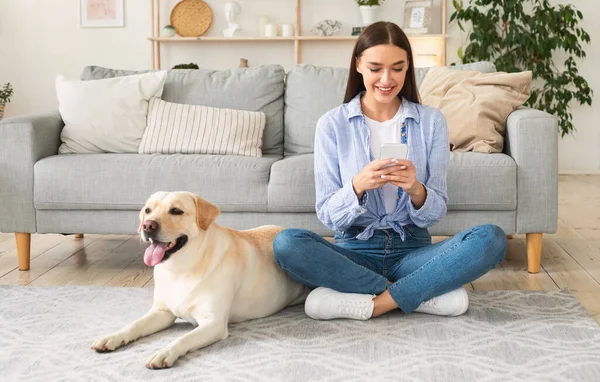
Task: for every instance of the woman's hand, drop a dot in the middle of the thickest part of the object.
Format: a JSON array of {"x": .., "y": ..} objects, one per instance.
[
  {"x": 405, "y": 177},
  {"x": 374, "y": 175}
]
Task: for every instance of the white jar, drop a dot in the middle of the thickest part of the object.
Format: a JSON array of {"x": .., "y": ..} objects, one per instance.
[
  {"x": 287, "y": 30},
  {"x": 271, "y": 30},
  {"x": 262, "y": 22}
]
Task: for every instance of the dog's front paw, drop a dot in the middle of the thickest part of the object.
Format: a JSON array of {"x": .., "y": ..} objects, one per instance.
[
  {"x": 162, "y": 359},
  {"x": 109, "y": 343}
]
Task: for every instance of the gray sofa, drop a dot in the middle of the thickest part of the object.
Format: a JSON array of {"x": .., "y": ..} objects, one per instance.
[{"x": 43, "y": 192}]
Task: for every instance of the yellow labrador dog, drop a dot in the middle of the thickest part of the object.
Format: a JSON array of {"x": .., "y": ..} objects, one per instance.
[{"x": 205, "y": 274}]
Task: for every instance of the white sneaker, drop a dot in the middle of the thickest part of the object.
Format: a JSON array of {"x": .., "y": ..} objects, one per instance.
[
  {"x": 453, "y": 303},
  {"x": 326, "y": 304}
]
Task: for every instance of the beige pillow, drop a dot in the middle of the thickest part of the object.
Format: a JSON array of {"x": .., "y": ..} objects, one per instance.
[
  {"x": 107, "y": 115},
  {"x": 195, "y": 129},
  {"x": 475, "y": 105}
]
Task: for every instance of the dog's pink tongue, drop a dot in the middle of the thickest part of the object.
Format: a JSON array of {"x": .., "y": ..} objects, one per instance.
[{"x": 155, "y": 253}]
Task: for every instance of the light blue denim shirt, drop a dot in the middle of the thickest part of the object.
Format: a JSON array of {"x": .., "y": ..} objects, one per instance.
[{"x": 342, "y": 150}]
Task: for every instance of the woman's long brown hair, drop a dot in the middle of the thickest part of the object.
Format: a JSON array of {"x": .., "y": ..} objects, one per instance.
[{"x": 376, "y": 34}]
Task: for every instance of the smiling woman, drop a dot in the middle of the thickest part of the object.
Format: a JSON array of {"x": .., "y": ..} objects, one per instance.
[
  {"x": 383, "y": 257},
  {"x": 382, "y": 67}
]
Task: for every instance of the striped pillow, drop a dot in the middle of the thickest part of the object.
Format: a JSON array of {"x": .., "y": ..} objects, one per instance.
[{"x": 193, "y": 129}]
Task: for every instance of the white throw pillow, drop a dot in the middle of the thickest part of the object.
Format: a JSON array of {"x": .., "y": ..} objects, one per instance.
[
  {"x": 194, "y": 129},
  {"x": 107, "y": 115}
]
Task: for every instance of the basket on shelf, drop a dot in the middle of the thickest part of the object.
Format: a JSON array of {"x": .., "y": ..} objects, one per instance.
[{"x": 191, "y": 18}]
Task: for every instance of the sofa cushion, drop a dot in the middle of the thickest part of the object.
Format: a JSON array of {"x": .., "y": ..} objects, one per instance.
[
  {"x": 476, "y": 181},
  {"x": 292, "y": 184},
  {"x": 483, "y": 182},
  {"x": 125, "y": 181},
  {"x": 262, "y": 91},
  {"x": 311, "y": 91}
]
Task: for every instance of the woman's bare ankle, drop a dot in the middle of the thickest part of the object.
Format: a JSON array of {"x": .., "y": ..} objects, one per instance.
[{"x": 383, "y": 303}]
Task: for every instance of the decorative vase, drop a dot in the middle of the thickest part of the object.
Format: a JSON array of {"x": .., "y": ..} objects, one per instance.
[
  {"x": 168, "y": 31},
  {"x": 368, "y": 14},
  {"x": 262, "y": 22},
  {"x": 243, "y": 62}
]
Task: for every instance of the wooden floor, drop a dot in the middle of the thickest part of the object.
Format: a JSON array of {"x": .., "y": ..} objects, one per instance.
[{"x": 570, "y": 257}]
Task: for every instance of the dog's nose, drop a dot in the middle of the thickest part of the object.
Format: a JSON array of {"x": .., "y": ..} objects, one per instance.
[{"x": 150, "y": 226}]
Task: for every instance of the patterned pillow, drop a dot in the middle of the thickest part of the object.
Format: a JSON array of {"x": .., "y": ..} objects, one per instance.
[{"x": 194, "y": 129}]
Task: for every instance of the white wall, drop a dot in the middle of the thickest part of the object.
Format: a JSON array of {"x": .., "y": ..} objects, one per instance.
[{"x": 41, "y": 38}]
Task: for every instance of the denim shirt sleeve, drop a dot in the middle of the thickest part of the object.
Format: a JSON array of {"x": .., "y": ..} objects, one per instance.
[
  {"x": 337, "y": 205},
  {"x": 434, "y": 208}
]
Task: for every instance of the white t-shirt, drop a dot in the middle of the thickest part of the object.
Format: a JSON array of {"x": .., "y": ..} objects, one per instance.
[{"x": 386, "y": 132}]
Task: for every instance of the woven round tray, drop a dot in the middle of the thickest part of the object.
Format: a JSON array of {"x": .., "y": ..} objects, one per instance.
[{"x": 191, "y": 18}]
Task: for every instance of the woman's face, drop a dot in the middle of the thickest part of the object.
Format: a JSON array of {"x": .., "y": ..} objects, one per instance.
[{"x": 383, "y": 68}]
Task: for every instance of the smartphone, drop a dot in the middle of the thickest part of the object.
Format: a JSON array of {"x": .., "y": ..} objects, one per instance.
[{"x": 393, "y": 150}]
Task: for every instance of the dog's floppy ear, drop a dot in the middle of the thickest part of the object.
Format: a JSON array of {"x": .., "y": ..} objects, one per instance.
[
  {"x": 206, "y": 213},
  {"x": 142, "y": 214}
]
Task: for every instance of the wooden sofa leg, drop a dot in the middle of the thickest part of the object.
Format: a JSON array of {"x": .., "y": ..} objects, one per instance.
[
  {"x": 78, "y": 236},
  {"x": 23, "y": 249},
  {"x": 534, "y": 252}
]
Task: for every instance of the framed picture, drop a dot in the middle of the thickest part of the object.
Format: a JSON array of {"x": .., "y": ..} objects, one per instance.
[
  {"x": 417, "y": 16},
  {"x": 101, "y": 13}
]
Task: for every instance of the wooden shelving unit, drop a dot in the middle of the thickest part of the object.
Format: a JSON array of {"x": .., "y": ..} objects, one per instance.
[
  {"x": 275, "y": 39},
  {"x": 156, "y": 41}
]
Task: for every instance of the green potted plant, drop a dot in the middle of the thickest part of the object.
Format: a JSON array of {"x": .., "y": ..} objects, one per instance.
[
  {"x": 369, "y": 10},
  {"x": 191, "y": 65},
  {"x": 6, "y": 93},
  {"x": 524, "y": 35}
]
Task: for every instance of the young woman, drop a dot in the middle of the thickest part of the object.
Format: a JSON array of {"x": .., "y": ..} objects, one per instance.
[{"x": 383, "y": 257}]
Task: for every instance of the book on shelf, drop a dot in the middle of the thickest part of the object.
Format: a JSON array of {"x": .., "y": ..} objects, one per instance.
[{"x": 357, "y": 30}]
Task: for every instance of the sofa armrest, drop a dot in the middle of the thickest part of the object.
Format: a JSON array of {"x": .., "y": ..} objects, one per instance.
[
  {"x": 532, "y": 141},
  {"x": 23, "y": 141}
]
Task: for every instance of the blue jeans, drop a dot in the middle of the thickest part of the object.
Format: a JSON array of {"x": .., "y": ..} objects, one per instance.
[{"x": 417, "y": 269}]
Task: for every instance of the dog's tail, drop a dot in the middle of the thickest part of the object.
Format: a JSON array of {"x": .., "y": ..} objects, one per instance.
[{"x": 264, "y": 232}]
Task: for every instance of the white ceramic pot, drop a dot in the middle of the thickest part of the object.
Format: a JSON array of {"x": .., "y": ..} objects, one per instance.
[
  {"x": 271, "y": 30},
  {"x": 287, "y": 30},
  {"x": 168, "y": 31},
  {"x": 368, "y": 14}
]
